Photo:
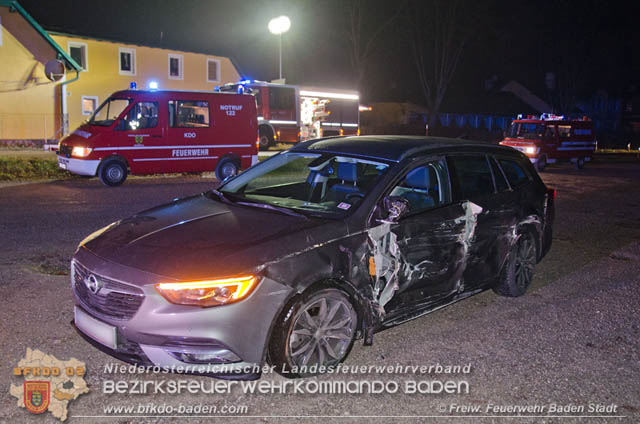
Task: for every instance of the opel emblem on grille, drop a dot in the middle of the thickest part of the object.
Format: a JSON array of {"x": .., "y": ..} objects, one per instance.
[{"x": 92, "y": 284}]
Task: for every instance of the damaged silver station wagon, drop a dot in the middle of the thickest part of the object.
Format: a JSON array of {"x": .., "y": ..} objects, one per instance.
[{"x": 293, "y": 260}]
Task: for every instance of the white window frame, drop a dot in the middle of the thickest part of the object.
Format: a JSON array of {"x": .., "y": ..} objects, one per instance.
[
  {"x": 180, "y": 67},
  {"x": 85, "y": 66},
  {"x": 83, "y": 98},
  {"x": 0, "y": 30},
  {"x": 218, "y": 71},
  {"x": 134, "y": 61}
]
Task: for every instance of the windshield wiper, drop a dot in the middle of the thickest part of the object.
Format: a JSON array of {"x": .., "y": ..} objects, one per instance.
[{"x": 267, "y": 206}]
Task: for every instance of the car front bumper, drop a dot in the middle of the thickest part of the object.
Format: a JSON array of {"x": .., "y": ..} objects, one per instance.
[{"x": 158, "y": 332}]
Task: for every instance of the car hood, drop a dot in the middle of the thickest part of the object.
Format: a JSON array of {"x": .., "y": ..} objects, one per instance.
[{"x": 201, "y": 238}]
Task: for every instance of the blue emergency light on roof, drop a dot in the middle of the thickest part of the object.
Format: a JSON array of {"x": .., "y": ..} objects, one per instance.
[
  {"x": 247, "y": 81},
  {"x": 133, "y": 85},
  {"x": 153, "y": 85}
]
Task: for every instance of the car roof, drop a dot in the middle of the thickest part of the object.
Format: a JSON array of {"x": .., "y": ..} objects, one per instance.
[{"x": 395, "y": 147}]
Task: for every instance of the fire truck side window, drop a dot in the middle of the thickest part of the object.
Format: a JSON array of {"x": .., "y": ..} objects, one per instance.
[
  {"x": 282, "y": 98},
  {"x": 142, "y": 115},
  {"x": 564, "y": 131},
  {"x": 188, "y": 114}
]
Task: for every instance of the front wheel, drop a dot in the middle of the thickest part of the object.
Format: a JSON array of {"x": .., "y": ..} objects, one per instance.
[
  {"x": 541, "y": 164},
  {"x": 517, "y": 274},
  {"x": 112, "y": 172},
  {"x": 315, "y": 331},
  {"x": 580, "y": 163}
]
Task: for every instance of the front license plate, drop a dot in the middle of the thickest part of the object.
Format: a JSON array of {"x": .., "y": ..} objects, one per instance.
[
  {"x": 62, "y": 163},
  {"x": 99, "y": 331}
]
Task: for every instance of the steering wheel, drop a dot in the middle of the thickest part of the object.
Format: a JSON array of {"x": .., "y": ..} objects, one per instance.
[{"x": 360, "y": 196}]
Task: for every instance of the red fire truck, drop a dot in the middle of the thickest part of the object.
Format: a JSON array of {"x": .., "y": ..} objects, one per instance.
[
  {"x": 157, "y": 131},
  {"x": 551, "y": 138},
  {"x": 290, "y": 113}
]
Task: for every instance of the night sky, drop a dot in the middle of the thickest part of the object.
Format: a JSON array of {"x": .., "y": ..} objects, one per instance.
[{"x": 509, "y": 40}]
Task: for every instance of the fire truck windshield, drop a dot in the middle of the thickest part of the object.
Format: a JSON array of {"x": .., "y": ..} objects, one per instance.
[
  {"x": 109, "y": 112},
  {"x": 528, "y": 130}
]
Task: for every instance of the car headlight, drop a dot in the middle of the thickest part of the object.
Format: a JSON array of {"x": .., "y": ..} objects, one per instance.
[
  {"x": 81, "y": 151},
  {"x": 530, "y": 150},
  {"x": 208, "y": 293}
]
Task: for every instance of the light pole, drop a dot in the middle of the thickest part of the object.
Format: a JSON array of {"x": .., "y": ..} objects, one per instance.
[{"x": 278, "y": 26}]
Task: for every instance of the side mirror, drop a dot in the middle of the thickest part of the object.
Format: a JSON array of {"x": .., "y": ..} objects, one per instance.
[{"x": 395, "y": 207}]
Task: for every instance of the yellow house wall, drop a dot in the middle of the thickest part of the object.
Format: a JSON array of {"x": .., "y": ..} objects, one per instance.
[
  {"x": 103, "y": 78},
  {"x": 27, "y": 101}
]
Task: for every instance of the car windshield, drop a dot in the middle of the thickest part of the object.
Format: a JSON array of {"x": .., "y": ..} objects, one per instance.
[
  {"x": 528, "y": 130},
  {"x": 308, "y": 183},
  {"x": 109, "y": 112}
]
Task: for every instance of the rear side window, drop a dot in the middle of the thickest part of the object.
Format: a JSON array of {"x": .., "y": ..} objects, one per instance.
[
  {"x": 515, "y": 173},
  {"x": 188, "y": 114},
  {"x": 471, "y": 175}
]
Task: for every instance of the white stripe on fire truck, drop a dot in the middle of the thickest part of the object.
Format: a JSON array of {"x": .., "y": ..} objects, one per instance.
[
  {"x": 220, "y": 146},
  {"x": 150, "y": 159}
]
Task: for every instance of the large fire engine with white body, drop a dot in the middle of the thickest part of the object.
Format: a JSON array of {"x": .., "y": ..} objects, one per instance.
[
  {"x": 291, "y": 113},
  {"x": 552, "y": 138}
]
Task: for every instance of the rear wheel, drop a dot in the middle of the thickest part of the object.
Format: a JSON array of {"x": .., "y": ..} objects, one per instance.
[
  {"x": 112, "y": 172},
  {"x": 226, "y": 168},
  {"x": 580, "y": 163},
  {"x": 541, "y": 164},
  {"x": 265, "y": 139},
  {"x": 517, "y": 273},
  {"x": 315, "y": 330}
]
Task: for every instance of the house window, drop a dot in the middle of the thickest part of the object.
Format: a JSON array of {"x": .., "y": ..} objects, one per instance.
[
  {"x": 0, "y": 30},
  {"x": 78, "y": 52},
  {"x": 89, "y": 104},
  {"x": 176, "y": 66},
  {"x": 213, "y": 70},
  {"x": 127, "y": 61}
]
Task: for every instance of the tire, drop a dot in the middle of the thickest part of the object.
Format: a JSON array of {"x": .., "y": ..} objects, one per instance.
[
  {"x": 301, "y": 337},
  {"x": 541, "y": 164},
  {"x": 112, "y": 172},
  {"x": 517, "y": 274},
  {"x": 265, "y": 141},
  {"x": 227, "y": 167},
  {"x": 580, "y": 163}
]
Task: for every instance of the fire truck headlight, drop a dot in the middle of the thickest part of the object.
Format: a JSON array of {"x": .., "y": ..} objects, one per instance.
[
  {"x": 530, "y": 150},
  {"x": 81, "y": 151},
  {"x": 208, "y": 293}
]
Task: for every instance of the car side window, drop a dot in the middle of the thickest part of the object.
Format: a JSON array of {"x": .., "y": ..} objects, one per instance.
[
  {"x": 498, "y": 176},
  {"x": 141, "y": 116},
  {"x": 471, "y": 176},
  {"x": 424, "y": 187},
  {"x": 515, "y": 173}
]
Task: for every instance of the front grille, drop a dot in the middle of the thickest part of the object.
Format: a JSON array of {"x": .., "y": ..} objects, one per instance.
[
  {"x": 112, "y": 299},
  {"x": 65, "y": 150}
]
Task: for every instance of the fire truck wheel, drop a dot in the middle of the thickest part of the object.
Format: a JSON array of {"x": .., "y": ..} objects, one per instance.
[
  {"x": 541, "y": 164},
  {"x": 517, "y": 272},
  {"x": 265, "y": 141},
  {"x": 226, "y": 168},
  {"x": 112, "y": 172},
  {"x": 580, "y": 163}
]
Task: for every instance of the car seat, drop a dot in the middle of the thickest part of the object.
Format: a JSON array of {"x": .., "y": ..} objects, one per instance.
[
  {"x": 348, "y": 174},
  {"x": 419, "y": 181}
]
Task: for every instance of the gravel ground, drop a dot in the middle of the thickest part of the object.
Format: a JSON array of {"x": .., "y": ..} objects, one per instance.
[{"x": 572, "y": 340}]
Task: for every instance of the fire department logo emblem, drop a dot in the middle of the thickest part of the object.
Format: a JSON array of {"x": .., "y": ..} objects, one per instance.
[
  {"x": 36, "y": 396},
  {"x": 139, "y": 139}
]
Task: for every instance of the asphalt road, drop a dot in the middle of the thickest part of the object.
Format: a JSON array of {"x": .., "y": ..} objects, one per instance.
[{"x": 574, "y": 339}]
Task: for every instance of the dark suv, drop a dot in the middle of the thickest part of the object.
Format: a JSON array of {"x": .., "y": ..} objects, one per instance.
[{"x": 302, "y": 254}]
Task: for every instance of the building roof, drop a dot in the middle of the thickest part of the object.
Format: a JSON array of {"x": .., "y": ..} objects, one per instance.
[
  {"x": 393, "y": 147},
  {"x": 14, "y": 6}
]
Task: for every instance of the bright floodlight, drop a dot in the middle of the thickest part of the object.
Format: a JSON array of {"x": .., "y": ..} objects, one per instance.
[{"x": 279, "y": 25}]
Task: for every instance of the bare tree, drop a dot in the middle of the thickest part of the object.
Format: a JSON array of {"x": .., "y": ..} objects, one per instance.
[
  {"x": 363, "y": 31},
  {"x": 438, "y": 40}
]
